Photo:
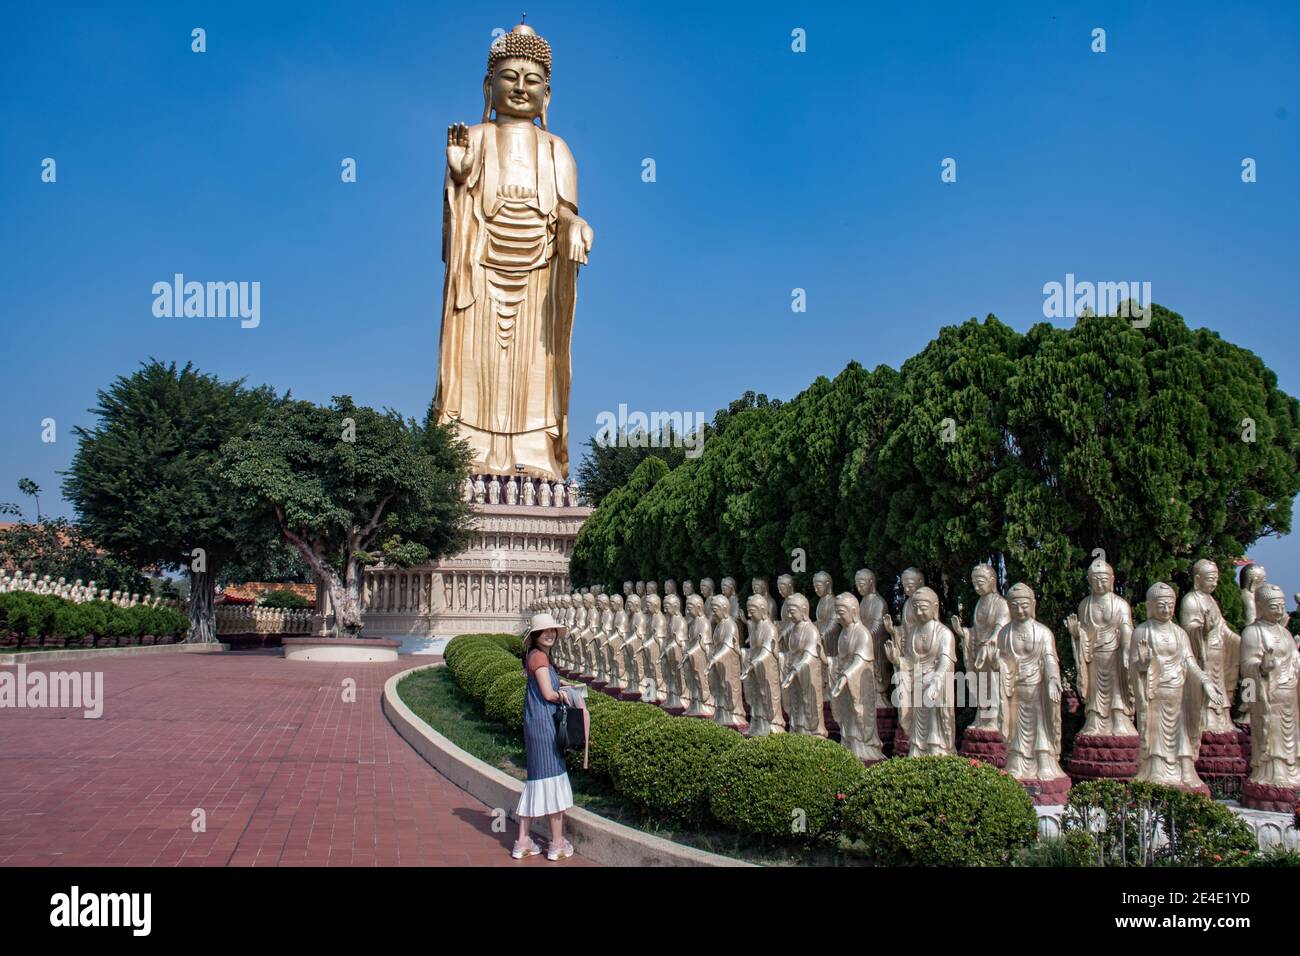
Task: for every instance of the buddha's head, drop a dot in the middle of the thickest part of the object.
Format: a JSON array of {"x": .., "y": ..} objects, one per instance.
[
  {"x": 1022, "y": 603},
  {"x": 719, "y": 607},
  {"x": 1101, "y": 577},
  {"x": 925, "y": 604},
  {"x": 1160, "y": 602},
  {"x": 694, "y": 606},
  {"x": 756, "y": 608},
  {"x": 602, "y": 601},
  {"x": 1205, "y": 573},
  {"x": 846, "y": 609},
  {"x": 797, "y": 608},
  {"x": 518, "y": 80},
  {"x": 865, "y": 581},
  {"x": 652, "y": 603},
  {"x": 822, "y": 583},
  {"x": 633, "y": 603},
  {"x": 1252, "y": 576},
  {"x": 984, "y": 579},
  {"x": 758, "y": 586},
  {"x": 670, "y": 587},
  {"x": 1271, "y": 604},
  {"x": 911, "y": 579},
  {"x": 706, "y": 587},
  {"x": 728, "y": 586},
  {"x": 672, "y": 605},
  {"x": 785, "y": 585}
]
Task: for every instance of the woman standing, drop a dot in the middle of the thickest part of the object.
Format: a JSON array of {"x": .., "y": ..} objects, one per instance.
[{"x": 546, "y": 792}]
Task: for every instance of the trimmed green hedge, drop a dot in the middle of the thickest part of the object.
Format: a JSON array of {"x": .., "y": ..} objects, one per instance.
[
  {"x": 784, "y": 786},
  {"x": 31, "y": 619},
  {"x": 608, "y": 726},
  {"x": 479, "y": 680},
  {"x": 663, "y": 766},
  {"x": 504, "y": 701},
  {"x": 940, "y": 811}
]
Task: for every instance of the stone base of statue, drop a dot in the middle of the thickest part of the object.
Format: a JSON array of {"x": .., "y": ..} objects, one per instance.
[
  {"x": 988, "y": 746},
  {"x": 902, "y": 745},
  {"x": 1224, "y": 761},
  {"x": 675, "y": 711},
  {"x": 887, "y": 727},
  {"x": 629, "y": 694},
  {"x": 1101, "y": 757},
  {"x": 517, "y": 553},
  {"x": 832, "y": 726},
  {"x": 1263, "y": 796},
  {"x": 1048, "y": 793}
]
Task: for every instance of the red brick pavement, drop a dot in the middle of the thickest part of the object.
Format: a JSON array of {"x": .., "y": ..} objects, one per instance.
[{"x": 287, "y": 773}]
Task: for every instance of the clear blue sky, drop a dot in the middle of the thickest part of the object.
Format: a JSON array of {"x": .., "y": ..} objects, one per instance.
[{"x": 775, "y": 170}]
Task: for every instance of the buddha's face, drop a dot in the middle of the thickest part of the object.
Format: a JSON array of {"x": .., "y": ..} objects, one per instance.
[
  {"x": 1100, "y": 582},
  {"x": 821, "y": 585},
  {"x": 758, "y": 586},
  {"x": 519, "y": 88},
  {"x": 798, "y": 612},
  {"x": 1022, "y": 607},
  {"x": 864, "y": 582},
  {"x": 1256, "y": 576},
  {"x": 846, "y": 614},
  {"x": 728, "y": 587},
  {"x": 672, "y": 606},
  {"x": 1274, "y": 610},
  {"x": 1160, "y": 606},
  {"x": 911, "y": 581},
  {"x": 757, "y": 608},
  {"x": 688, "y": 588},
  {"x": 784, "y": 586},
  {"x": 706, "y": 587},
  {"x": 1207, "y": 580},
  {"x": 983, "y": 582},
  {"x": 923, "y": 608}
]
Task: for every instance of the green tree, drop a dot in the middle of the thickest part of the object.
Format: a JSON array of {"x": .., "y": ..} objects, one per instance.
[
  {"x": 62, "y": 549},
  {"x": 145, "y": 481},
  {"x": 339, "y": 479},
  {"x": 32, "y": 490}
]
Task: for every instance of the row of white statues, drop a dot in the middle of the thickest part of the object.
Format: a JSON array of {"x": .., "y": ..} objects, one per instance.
[
  {"x": 519, "y": 489},
  {"x": 77, "y": 592},
  {"x": 1163, "y": 682}
]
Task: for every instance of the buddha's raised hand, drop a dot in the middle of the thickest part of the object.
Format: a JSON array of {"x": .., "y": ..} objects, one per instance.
[{"x": 458, "y": 155}]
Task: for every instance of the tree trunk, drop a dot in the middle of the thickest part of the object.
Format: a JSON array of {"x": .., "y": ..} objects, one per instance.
[
  {"x": 347, "y": 604},
  {"x": 203, "y": 612}
]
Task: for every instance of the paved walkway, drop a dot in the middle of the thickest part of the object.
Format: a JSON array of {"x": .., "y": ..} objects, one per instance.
[{"x": 285, "y": 771}]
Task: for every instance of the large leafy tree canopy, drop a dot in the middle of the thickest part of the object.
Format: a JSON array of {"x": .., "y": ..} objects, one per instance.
[
  {"x": 344, "y": 481},
  {"x": 1159, "y": 445},
  {"x": 144, "y": 479}
]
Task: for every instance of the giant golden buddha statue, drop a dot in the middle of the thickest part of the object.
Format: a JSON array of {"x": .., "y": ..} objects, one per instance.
[{"x": 512, "y": 242}]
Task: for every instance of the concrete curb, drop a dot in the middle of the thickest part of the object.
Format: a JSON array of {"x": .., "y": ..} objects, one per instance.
[
  {"x": 599, "y": 840},
  {"x": 83, "y": 654}
]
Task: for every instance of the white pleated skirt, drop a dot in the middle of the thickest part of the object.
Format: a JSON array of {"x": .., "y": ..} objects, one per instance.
[{"x": 546, "y": 796}]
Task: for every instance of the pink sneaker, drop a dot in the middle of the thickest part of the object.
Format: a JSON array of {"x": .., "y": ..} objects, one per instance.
[
  {"x": 522, "y": 850},
  {"x": 561, "y": 852}
]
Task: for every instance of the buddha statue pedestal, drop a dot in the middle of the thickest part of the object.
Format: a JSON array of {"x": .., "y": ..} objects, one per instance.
[
  {"x": 887, "y": 727},
  {"x": 1103, "y": 757},
  {"x": 1224, "y": 761},
  {"x": 1263, "y": 796},
  {"x": 901, "y": 743},
  {"x": 986, "y": 745},
  {"x": 1048, "y": 793}
]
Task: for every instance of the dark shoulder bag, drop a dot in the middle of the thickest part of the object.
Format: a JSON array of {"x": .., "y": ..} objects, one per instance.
[{"x": 571, "y": 728}]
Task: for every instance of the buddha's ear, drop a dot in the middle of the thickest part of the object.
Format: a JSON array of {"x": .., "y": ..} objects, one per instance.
[
  {"x": 487, "y": 97},
  {"x": 546, "y": 102}
]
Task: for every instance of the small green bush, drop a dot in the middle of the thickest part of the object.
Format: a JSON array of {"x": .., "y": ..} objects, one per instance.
[
  {"x": 1197, "y": 830},
  {"x": 940, "y": 811},
  {"x": 465, "y": 643},
  {"x": 464, "y": 664},
  {"x": 1075, "y": 848},
  {"x": 608, "y": 725},
  {"x": 478, "y": 680},
  {"x": 784, "y": 786},
  {"x": 663, "y": 766},
  {"x": 285, "y": 599},
  {"x": 504, "y": 701},
  {"x": 1277, "y": 856},
  {"x": 511, "y": 643}
]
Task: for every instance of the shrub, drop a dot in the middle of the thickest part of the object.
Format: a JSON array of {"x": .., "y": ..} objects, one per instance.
[
  {"x": 608, "y": 725},
  {"x": 463, "y": 664},
  {"x": 285, "y": 599},
  {"x": 1142, "y": 824},
  {"x": 1074, "y": 848},
  {"x": 465, "y": 643},
  {"x": 784, "y": 785},
  {"x": 504, "y": 701},
  {"x": 1277, "y": 856},
  {"x": 511, "y": 643},
  {"x": 944, "y": 811},
  {"x": 663, "y": 766},
  {"x": 479, "y": 679}
]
